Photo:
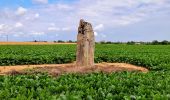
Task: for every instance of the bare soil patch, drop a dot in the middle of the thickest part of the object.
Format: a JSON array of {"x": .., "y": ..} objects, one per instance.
[
  {"x": 31, "y": 43},
  {"x": 57, "y": 69}
]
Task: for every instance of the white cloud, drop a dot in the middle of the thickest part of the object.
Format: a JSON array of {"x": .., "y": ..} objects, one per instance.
[
  {"x": 65, "y": 29},
  {"x": 111, "y": 11},
  {"x": 37, "y": 33},
  {"x": 37, "y": 15},
  {"x": 64, "y": 7},
  {"x": 53, "y": 29},
  {"x": 63, "y": 17},
  {"x": 2, "y": 27},
  {"x": 99, "y": 27},
  {"x": 32, "y": 16},
  {"x": 52, "y": 24},
  {"x": 21, "y": 11},
  {"x": 152, "y": 1},
  {"x": 18, "y": 25},
  {"x": 95, "y": 34},
  {"x": 40, "y": 1}
]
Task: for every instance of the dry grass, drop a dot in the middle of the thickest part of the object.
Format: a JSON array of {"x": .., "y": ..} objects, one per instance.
[
  {"x": 31, "y": 43},
  {"x": 57, "y": 69}
]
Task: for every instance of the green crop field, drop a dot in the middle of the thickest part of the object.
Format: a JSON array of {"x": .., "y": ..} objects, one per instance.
[
  {"x": 154, "y": 57},
  {"x": 121, "y": 85}
]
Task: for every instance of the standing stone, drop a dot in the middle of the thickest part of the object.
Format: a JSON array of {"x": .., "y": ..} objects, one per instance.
[{"x": 85, "y": 44}]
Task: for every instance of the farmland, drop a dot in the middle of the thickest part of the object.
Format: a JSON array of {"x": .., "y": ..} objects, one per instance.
[
  {"x": 120, "y": 85},
  {"x": 154, "y": 57}
]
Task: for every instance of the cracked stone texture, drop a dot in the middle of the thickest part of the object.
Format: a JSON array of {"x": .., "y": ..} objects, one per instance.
[{"x": 85, "y": 44}]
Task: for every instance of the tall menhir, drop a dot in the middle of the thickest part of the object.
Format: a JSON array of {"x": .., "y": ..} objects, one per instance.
[{"x": 85, "y": 44}]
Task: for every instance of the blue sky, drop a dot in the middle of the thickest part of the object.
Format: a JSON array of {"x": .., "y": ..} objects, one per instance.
[
  {"x": 29, "y": 3},
  {"x": 112, "y": 20}
]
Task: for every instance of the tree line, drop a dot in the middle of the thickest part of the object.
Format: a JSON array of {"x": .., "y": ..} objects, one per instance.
[{"x": 154, "y": 42}]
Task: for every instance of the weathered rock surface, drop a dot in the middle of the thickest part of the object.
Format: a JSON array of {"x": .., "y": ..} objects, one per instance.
[{"x": 85, "y": 44}]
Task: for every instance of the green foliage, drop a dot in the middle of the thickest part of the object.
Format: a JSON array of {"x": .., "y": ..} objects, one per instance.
[
  {"x": 98, "y": 86},
  {"x": 154, "y": 57},
  {"x": 39, "y": 54},
  {"x": 131, "y": 42},
  {"x": 155, "y": 42}
]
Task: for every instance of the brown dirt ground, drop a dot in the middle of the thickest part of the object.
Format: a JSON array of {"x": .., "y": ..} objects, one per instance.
[
  {"x": 31, "y": 43},
  {"x": 57, "y": 69}
]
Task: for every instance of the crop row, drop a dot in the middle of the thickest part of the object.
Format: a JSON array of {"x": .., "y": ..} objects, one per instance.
[
  {"x": 98, "y": 86},
  {"x": 154, "y": 57}
]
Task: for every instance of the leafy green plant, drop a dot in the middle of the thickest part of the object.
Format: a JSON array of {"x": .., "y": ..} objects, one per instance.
[
  {"x": 98, "y": 86},
  {"x": 154, "y": 57}
]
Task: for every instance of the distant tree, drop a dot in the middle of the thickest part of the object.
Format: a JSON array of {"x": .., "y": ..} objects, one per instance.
[
  {"x": 142, "y": 42},
  {"x": 108, "y": 42},
  {"x": 35, "y": 41},
  {"x": 118, "y": 42},
  {"x": 164, "y": 42},
  {"x": 60, "y": 41},
  {"x": 130, "y": 42},
  {"x": 102, "y": 42},
  {"x": 155, "y": 42},
  {"x": 70, "y": 41}
]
